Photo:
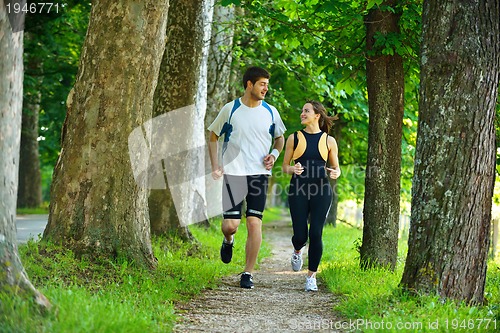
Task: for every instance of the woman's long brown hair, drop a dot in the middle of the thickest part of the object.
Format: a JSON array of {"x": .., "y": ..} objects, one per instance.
[{"x": 325, "y": 121}]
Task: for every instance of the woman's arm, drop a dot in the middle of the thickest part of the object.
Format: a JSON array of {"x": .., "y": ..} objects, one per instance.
[
  {"x": 287, "y": 168},
  {"x": 333, "y": 159}
]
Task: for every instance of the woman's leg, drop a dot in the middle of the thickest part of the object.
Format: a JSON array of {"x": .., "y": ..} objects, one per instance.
[
  {"x": 299, "y": 212},
  {"x": 320, "y": 205}
]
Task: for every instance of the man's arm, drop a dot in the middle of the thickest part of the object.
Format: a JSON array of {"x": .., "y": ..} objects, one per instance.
[
  {"x": 214, "y": 156},
  {"x": 278, "y": 144}
]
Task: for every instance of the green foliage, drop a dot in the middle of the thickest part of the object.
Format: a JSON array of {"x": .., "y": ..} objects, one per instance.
[
  {"x": 316, "y": 50},
  {"x": 372, "y": 298},
  {"x": 51, "y": 54}
]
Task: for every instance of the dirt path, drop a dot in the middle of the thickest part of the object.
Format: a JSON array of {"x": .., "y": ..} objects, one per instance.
[{"x": 278, "y": 303}]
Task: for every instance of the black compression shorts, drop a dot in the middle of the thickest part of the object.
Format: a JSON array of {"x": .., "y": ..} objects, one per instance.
[{"x": 238, "y": 188}]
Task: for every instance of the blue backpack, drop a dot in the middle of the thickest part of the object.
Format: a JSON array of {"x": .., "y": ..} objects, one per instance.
[{"x": 227, "y": 128}]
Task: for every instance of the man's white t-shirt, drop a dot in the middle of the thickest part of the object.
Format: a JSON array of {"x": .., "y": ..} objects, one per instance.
[{"x": 250, "y": 140}]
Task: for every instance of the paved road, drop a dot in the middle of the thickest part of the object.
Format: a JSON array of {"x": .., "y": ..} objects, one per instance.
[{"x": 30, "y": 226}]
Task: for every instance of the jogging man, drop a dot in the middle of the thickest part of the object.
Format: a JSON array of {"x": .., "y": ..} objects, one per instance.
[{"x": 249, "y": 126}]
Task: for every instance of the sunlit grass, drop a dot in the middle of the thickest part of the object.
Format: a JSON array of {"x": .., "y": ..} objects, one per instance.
[
  {"x": 371, "y": 300},
  {"x": 42, "y": 210},
  {"x": 117, "y": 297},
  {"x": 105, "y": 296}
]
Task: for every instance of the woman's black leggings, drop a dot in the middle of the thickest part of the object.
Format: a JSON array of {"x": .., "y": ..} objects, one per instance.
[{"x": 309, "y": 199}]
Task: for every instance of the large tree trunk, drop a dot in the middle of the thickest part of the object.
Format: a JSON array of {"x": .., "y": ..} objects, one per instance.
[
  {"x": 13, "y": 277},
  {"x": 235, "y": 89},
  {"x": 219, "y": 72},
  {"x": 385, "y": 82},
  {"x": 202, "y": 102},
  {"x": 96, "y": 205},
  {"x": 219, "y": 60},
  {"x": 179, "y": 198},
  {"x": 30, "y": 180},
  {"x": 454, "y": 168}
]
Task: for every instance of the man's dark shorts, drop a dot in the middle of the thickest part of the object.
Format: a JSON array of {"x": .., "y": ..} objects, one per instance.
[{"x": 238, "y": 188}]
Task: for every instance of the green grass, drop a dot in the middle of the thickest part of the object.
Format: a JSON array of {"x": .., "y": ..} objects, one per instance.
[
  {"x": 116, "y": 296},
  {"x": 43, "y": 209},
  {"x": 372, "y": 302}
]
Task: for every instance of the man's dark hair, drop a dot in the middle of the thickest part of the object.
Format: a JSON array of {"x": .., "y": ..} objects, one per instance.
[{"x": 253, "y": 74}]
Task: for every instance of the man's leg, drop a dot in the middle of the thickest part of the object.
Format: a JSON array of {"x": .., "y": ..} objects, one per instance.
[
  {"x": 233, "y": 185},
  {"x": 254, "y": 240},
  {"x": 256, "y": 202},
  {"x": 229, "y": 227}
]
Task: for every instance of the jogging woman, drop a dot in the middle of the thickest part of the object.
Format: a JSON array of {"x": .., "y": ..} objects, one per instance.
[{"x": 310, "y": 193}]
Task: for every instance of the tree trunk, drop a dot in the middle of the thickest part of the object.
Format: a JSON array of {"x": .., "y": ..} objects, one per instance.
[
  {"x": 219, "y": 60},
  {"x": 13, "y": 277},
  {"x": 179, "y": 198},
  {"x": 219, "y": 72},
  {"x": 235, "y": 89},
  {"x": 385, "y": 82},
  {"x": 454, "y": 168},
  {"x": 97, "y": 207},
  {"x": 202, "y": 158},
  {"x": 30, "y": 180}
]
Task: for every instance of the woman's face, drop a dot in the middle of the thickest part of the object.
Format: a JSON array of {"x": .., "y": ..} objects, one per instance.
[{"x": 308, "y": 116}]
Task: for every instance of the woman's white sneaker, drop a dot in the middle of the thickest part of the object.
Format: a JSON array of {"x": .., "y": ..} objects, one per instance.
[
  {"x": 311, "y": 284},
  {"x": 296, "y": 261}
]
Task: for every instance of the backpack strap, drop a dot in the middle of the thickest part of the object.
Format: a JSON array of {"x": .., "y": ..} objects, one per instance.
[
  {"x": 273, "y": 126},
  {"x": 236, "y": 105},
  {"x": 264, "y": 104},
  {"x": 301, "y": 146},
  {"x": 323, "y": 148},
  {"x": 227, "y": 128}
]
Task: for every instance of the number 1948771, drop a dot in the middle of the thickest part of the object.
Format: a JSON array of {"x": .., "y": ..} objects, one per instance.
[{"x": 33, "y": 8}]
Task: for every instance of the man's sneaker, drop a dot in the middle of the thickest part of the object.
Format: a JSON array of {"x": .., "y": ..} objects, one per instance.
[
  {"x": 311, "y": 284},
  {"x": 246, "y": 281},
  {"x": 296, "y": 261},
  {"x": 226, "y": 252}
]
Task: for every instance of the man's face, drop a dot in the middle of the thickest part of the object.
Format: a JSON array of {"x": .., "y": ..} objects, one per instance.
[{"x": 259, "y": 89}]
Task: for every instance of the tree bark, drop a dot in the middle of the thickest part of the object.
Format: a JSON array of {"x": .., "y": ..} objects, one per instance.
[
  {"x": 219, "y": 60},
  {"x": 13, "y": 277},
  {"x": 219, "y": 72},
  {"x": 97, "y": 208},
  {"x": 454, "y": 169},
  {"x": 30, "y": 180},
  {"x": 385, "y": 83},
  {"x": 174, "y": 204}
]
